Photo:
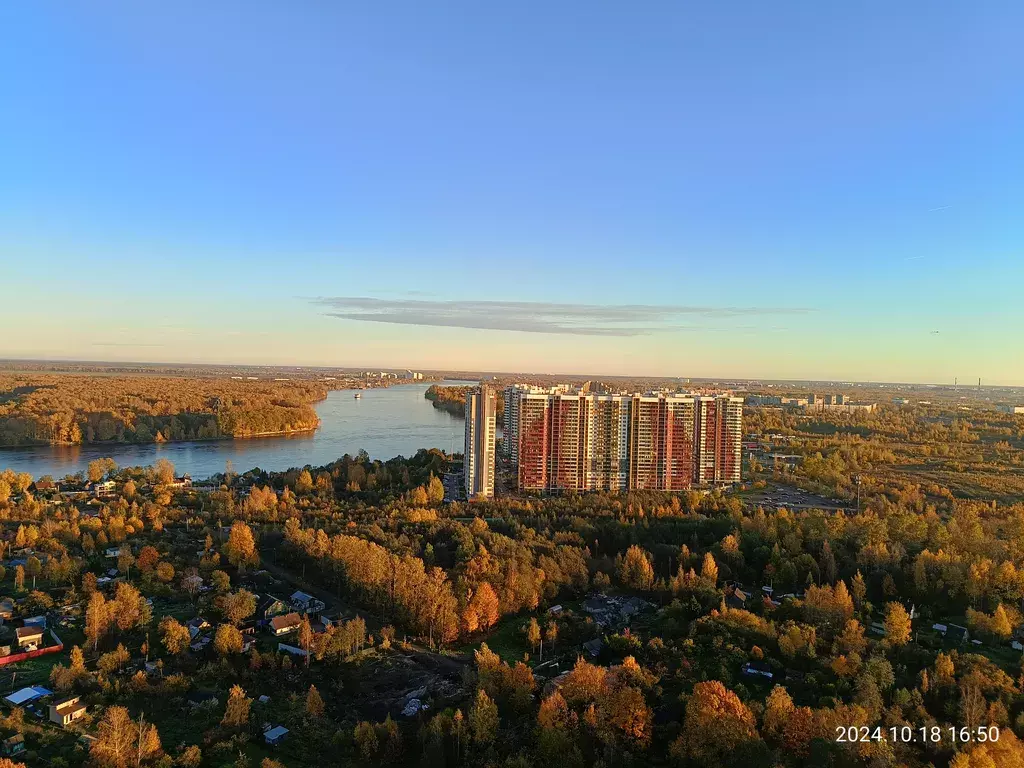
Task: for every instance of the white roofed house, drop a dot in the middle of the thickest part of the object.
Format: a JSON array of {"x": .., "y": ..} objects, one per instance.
[{"x": 66, "y": 710}]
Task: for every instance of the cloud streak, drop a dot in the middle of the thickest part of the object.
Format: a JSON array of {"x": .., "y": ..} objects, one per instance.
[{"x": 536, "y": 317}]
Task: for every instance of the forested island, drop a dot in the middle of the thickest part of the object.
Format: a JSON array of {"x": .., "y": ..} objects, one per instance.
[
  {"x": 453, "y": 400},
  {"x": 61, "y": 409}
]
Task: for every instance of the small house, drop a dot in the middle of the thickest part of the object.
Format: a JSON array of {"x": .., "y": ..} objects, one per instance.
[
  {"x": 305, "y": 603},
  {"x": 15, "y": 745},
  {"x": 757, "y": 669},
  {"x": 197, "y": 625},
  {"x": 736, "y": 598},
  {"x": 66, "y": 710},
  {"x": 282, "y": 625},
  {"x": 29, "y": 638},
  {"x": 26, "y": 695},
  {"x": 7, "y": 608},
  {"x": 43, "y": 486},
  {"x": 270, "y": 607},
  {"x": 112, "y": 552},
  {"x": 940, "y": 628},
  {"x": 594, "y": 647},
  {"x": 274, "y": 736},
  {"x": 105, "y": 488}
]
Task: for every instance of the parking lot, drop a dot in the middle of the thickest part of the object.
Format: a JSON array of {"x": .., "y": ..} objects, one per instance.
[{"x": 789, "y": 497}]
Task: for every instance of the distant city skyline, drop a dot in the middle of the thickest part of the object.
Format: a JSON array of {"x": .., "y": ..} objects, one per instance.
[{"x": 789, "y": 193}]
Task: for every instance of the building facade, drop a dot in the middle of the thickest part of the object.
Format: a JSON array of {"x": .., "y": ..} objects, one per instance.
[
  {"x": 481, "y": 427},
  {"x": 557, "y": 440}
]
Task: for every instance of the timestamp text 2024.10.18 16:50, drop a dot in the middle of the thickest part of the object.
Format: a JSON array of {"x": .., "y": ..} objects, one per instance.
[{"x": 933, "y": 733}]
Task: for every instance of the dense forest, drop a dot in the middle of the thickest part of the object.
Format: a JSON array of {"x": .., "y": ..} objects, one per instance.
[{"x": 72, "y": 409}]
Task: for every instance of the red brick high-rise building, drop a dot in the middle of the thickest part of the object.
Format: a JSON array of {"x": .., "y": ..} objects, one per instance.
[{"x": 559, "y": 440}]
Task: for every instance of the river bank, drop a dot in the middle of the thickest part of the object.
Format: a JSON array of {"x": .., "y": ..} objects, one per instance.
[{"x": 385, "y": 422}]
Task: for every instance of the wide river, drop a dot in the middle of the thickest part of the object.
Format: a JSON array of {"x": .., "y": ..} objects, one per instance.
[{"x": 386, "y": 422}]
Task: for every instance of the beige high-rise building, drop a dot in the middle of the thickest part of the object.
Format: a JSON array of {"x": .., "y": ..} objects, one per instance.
[{"x": 481, "y": 428}]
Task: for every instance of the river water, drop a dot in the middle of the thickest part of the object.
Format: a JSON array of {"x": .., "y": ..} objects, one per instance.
[{"x": 386, "y": 422}]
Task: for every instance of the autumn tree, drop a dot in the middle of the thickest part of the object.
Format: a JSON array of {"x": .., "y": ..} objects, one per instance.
[
  {"x": 241, "y": 546},
  {"x": 897, "y": 624},
  {"x": 625, "y": 718},
  {"x": 584, "y": 683},
  {"x": 482, "y": 611},
  {"x": 551, "y": 633},
  {"x": 237, "y": 606},
  {"x": 778, "y": 709},
  {"x": 121, "y": 742},
  {"x": 483, "y": 718},
  {"x": 943, "y": 669},
  {"x": 165, "y": 572},
  {"x": 435, "y": 490},
  {"x": 306, "y": 637},
  {"x": 125, "y": 561},
  {"x": 304, "y": 482},
  {"x": 99, "y": 469},
  {"x": 163, "y": 472},
  {"x": 716, "y": 725},
  {"x": 227, "y": 640},
  {"x": 147, "y": 559},
  {"x": 709, "y": 570},
  {"x": 859, "y": 590},
  {"x": 115, "y": 660},
  {"x": 174, "y": 635},
  {"x": 634, "y": 570},
  {"x": 533, "y": 635},
  {"x": 556, "y": 727},
  {"x": 236, "y": 713},
  {"x": 220, "y": 581},
  {"x": 129, "y": 608},
  {"x": 97, "y": 618},
  {"x": 314, "y": 703}
]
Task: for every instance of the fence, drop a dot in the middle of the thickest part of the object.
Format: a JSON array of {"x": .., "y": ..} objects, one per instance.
[{"x": 14, "y": 658}]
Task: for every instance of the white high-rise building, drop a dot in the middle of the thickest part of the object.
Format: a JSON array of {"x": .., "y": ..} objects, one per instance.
[{"x": 481, "y": 428}]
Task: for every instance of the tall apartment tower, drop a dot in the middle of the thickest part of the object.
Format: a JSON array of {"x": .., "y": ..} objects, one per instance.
[
  {"x": 661, "y": 455},
  {"x": 718, "y": 439},
  {"x": 510, "y": 431},
  {"x": 481, "y": 427}
]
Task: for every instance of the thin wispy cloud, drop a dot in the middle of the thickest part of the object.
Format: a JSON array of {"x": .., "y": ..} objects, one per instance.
[
  {"x": 940, "y": 208},
  {"x": 537, "y": 317},
  {"x": 124, "y": 344}
]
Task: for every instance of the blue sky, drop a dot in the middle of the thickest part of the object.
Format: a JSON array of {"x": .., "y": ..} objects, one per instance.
[{"x": 798, "y": 190}]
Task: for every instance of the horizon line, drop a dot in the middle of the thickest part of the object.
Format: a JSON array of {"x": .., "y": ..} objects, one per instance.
[{"x": 441, "y": 371}]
